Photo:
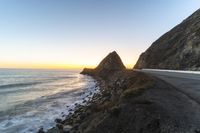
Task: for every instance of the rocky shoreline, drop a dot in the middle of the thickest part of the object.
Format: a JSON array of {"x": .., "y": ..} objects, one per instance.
[
  {"x": 72, "y": 121},
  {"x": 133, "y": 102},
  {"x": 97, "y": 104}
]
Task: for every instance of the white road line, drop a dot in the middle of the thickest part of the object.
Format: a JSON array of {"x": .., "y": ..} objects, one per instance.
[{"x": 176, "y": 71}]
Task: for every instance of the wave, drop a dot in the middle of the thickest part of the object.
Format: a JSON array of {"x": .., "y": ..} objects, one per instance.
[
  {"x": 43, "y": 110},
  {"x": 18, "y": 85}
]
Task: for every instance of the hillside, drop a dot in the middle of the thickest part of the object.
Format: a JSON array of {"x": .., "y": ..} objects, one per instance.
[{"x": 177, "y": 49}]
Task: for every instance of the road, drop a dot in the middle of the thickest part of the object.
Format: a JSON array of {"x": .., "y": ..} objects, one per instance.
[{"x": 186, "y": 82}]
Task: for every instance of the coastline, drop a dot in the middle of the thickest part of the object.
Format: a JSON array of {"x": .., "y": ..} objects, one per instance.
[
  {"x": 132, "y": 101},
  {"x": 76, "y": 116}
]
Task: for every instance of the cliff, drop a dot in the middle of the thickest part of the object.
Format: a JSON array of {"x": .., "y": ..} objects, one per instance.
[{"x": 177, "y": 49}]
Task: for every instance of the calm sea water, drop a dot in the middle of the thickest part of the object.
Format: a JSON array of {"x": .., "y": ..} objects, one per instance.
[{"x": 30, "y": 99}]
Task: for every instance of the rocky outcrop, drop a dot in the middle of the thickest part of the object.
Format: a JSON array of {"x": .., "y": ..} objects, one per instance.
[
  {"x": 177, "y": 49},
  {"x": 109, "y": 65}
]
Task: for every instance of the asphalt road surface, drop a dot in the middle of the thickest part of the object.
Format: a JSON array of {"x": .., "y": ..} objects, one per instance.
[{"x": 186, "y": 82}]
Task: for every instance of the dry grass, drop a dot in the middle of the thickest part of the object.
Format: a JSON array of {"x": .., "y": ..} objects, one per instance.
[{"x": 136, "y": 89}]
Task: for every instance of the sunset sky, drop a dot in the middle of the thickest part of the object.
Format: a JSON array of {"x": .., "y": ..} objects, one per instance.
[{"x": 79, "y": 33}]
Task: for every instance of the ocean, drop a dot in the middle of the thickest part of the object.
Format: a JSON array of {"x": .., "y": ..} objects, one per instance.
[{"x": 31, "y": 99}]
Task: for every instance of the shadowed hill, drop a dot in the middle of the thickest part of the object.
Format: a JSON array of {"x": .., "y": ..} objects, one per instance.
[{"x": 177, "y": 49}]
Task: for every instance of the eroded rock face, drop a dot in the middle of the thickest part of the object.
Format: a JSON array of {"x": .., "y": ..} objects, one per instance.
[
  {"x": 177, "y": 49},
  {"x": 110, "y": 64}
]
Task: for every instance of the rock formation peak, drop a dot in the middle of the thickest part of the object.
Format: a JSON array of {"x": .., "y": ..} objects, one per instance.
[{"x": 110, "y": 64}]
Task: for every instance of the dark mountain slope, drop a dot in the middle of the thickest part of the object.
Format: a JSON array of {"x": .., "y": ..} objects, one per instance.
[{"x": 177, "y": 49}]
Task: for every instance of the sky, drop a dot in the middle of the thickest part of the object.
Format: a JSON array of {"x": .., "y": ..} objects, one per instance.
[{"x": 80, "y": 33}]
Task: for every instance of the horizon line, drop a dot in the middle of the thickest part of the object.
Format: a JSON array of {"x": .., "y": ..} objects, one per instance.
[{"x": 70, "y": 67}]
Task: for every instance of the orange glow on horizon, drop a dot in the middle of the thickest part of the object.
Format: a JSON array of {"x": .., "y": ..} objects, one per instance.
[
  {"x": 62, "y": 61},
  {"x": 50, "y": 66}
]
